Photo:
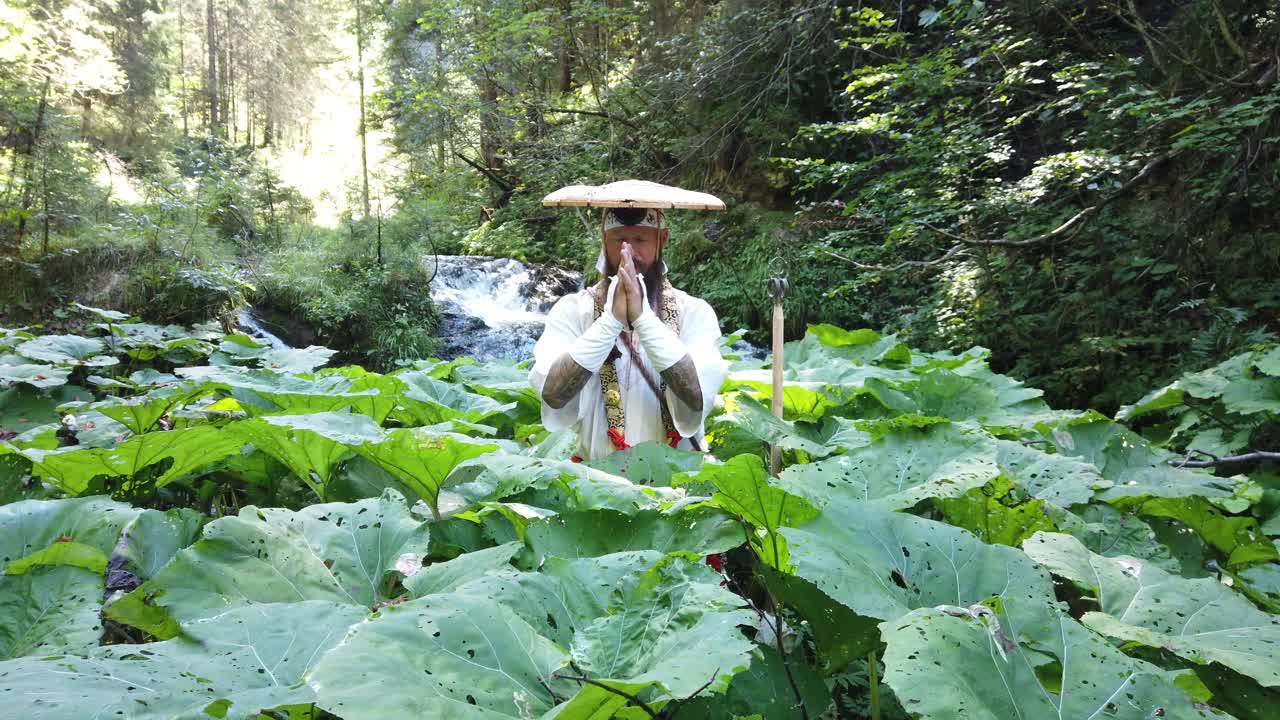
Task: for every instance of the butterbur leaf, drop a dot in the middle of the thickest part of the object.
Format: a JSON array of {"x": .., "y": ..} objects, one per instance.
[
  {"x": 37, "y": 376},
  {"x": 152, "y": 538},
  {"x": 743, "y": 489},
  {"x": 592, "y": 533},
  {"x": 48, "y": 609},
  {"x": 443, "y": 656},
  {"x": 1201, "y": 620},
  {"x": 299, "y": 360},
  {"x": 233, "y": 666},
  {"x": 72, "y": 469},
  {"x": 644, "y": 638},
  {"x": 310, "y": 445},
  {"x": 898, "y": 470},
  {"x": 141, "y": 412},
  {"x": 422, "y": 460},
  {"x": 884, "y": 564},
  {"x": 30, "y": 526},
  {"x": 69, "y": 553},
  {"x": 338, "y": 552},
  {"x": 67, "y": 350},
  {"x": 763, "y": 687},
  {"x": 447, "y": 576},
  {"x": 944, "y": 665},
  {"x": 429, "y": 401}
]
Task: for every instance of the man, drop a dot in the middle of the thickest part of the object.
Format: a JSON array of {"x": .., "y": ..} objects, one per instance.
[{"x": 631, "y": 358}]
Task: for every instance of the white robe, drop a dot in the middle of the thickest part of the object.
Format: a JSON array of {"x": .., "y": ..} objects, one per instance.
[{"x": 700, "y": 333}]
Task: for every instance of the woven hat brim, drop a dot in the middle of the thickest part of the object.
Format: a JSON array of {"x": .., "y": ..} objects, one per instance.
[{"x": 632, "y": 193}]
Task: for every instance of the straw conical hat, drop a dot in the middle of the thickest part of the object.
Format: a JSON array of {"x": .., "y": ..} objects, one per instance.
[{"x": 632, "y": 193}]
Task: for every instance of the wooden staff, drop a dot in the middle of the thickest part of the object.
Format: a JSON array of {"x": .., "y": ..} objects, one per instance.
[{"x": 778, "y": 287}]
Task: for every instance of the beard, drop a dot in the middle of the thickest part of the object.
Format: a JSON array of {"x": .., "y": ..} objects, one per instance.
[{"x": 652, "y": 273}]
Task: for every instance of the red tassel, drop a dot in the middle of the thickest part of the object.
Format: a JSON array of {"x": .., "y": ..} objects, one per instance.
[
  {"x": 575, "y": 459},
  {"x": 716, "y": 561},
  {"x": 618, "y": 440},
  {"x": 673, "y": 438}
]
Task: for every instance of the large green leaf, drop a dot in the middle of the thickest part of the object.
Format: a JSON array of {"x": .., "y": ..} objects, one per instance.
[
  {"x": 631, "y": 617},
  {"x": 672, "y": 625},
  {"x": 554, "y": 484},
  {"x": 32, "y": 525},
  {"x": 442, "y": 656},
  {"x": 952, "y": 664},
  {"x": 37, "y": 376},
  {"x": 765, "y": 689},
  {"x": 339, "y": 552},
  {"x": 650, "y": 463},
  {"x": 141, "y": 412},
  {"x": 1054, "y": 478},
  {"x": 235, "y": 665},
  {"x": 1201, "y": 619},
  {"x": 1110, "y": 532},
  {"x": 309, "y": 445},
  {"x": 72, "y": 469},
  {"x": 898, "y": 470},
  {"x": 296, "y": 360},
  {"x": 1134, "y": 467},
  {"x": 742, "y": 488},
  {"x": 152, "y": 538},
  {"x": 67, "y": 350},
  {"x": 422, "y": 459},
  {"x": 699, "y": 530},
  {"x": 49, "y": 609},
  {"x": 23, "y": 407},
  {"x": 749, "y": 416},
  {"x": 447, "y": 576},
  {"x": 885, "y": 564},
  {"x": 429, "y": 401},
  {"x": 1238, "y": 537}
]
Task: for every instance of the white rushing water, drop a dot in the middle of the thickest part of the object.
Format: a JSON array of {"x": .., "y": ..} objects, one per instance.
[
  {"x": 251, "y": 325},
  {"x": 494, "y": 308}
]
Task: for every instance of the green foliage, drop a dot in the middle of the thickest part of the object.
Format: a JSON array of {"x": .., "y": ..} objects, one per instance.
[{"x": 892, "y": 533}]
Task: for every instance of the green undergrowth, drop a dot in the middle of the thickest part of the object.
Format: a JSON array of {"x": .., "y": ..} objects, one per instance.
[{"x": 196, "y": 525}]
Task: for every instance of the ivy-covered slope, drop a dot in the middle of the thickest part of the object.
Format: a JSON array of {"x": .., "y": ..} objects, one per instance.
[{"x": 196, "y": 525}]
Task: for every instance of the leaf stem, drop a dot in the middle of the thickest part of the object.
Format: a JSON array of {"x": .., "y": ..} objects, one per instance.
[
  {"x": 873, "y": 676},
  {"x": 621, "y": 693}
]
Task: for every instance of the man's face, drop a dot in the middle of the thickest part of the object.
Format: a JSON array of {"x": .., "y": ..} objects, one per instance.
[{"x": 646, "y": 245}]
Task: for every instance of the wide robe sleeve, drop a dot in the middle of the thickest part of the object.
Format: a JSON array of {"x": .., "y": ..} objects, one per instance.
[
  {"x": 564, "y": 325},
  {"x": 700, "y": 333}
]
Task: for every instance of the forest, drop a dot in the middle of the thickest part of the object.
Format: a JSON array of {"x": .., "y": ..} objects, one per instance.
[{"x": 272, "y": 272}]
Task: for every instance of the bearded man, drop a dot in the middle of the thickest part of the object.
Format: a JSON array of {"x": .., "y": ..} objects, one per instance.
[{"x": 631, "y": 358}]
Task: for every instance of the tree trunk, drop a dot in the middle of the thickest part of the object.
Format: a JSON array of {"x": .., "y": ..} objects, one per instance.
[
  {"x": 86, "y": 116},
  {"x": 14, "y": 243},
  {"x": 565, "y": 57},
  {"x": 211, "y": 80},
  {"x": 182, "y": 69},
  {"x": 364, "y": 148},
  {"x": 224, "y": 74}
]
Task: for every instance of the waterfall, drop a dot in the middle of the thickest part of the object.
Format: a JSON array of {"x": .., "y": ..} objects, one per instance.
[
  {"x": 251, "y": 325},
  {"x": 494, "y": 308}
]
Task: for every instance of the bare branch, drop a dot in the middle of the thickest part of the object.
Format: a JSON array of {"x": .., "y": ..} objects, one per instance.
[
  {"x": 593, "y": 113},
  {"x": 955, "y": 251},
  {"x": 1077, "y": 221},
  {"x": 484, "y": 171},
  {"x": 1215, "y": 461}
]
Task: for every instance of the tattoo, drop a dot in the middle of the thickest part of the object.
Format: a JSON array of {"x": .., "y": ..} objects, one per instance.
[
  {"x": 682, "y": 378},
  {"x": 564, "y": 381}
]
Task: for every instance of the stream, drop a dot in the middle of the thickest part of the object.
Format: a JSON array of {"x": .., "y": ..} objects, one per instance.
[{"x": 490, "y": 308}]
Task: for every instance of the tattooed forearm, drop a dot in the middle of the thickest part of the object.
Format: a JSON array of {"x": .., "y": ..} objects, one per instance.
[
  {"x": 564, "y": 381},
  {"x": 682, "y": 378}
]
